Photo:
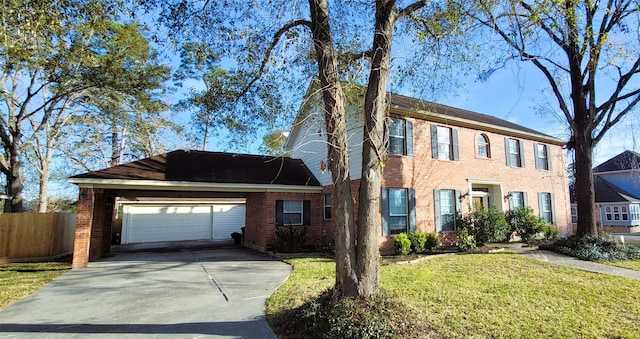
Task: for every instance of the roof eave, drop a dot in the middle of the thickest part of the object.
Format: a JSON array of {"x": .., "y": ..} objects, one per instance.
[
  {"x": 441, "y": 118},
  {"x": 190, "y": 186}
]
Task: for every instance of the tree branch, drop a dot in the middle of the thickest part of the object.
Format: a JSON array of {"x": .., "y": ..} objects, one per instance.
[{"x": 267, "y": 54}]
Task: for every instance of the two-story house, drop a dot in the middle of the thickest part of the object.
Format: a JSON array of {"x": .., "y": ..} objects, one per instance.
[
  {"x": 443, "y": 162},
  {"x": 617, "y": 193}
]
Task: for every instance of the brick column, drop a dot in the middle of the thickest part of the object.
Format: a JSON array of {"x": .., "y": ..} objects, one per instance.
[
  {"x": 97, "y": 225},
  {"x": 82, "y": 237}
]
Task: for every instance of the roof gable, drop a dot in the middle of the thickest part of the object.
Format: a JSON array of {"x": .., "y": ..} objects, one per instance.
[
  {"x": 606, "y": 191},
  {"x": 211, "y": 167},
  {"x": 625, "y": 161}
]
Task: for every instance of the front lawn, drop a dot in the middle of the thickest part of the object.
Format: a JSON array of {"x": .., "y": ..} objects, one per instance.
[
  {"x": 490, "y": 295},
  {"x": 19, "y": 280}
]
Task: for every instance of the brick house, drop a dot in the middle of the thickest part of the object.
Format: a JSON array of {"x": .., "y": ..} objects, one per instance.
[{"x": 444, "y": 161}]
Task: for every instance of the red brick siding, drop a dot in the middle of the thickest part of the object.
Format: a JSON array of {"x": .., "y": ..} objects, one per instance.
[
  {"x": 83, "y": 228},
  {"x": 261, "y": 218}
]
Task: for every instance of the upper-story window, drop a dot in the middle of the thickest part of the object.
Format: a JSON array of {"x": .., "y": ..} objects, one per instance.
[
  {"x": 400, "y": 137},
  {"x": 542, "y": 156},
  {"x": 514, "y": 152},
  {"x": 484, "y": 149},
  {"x": 444, "y": 143}
]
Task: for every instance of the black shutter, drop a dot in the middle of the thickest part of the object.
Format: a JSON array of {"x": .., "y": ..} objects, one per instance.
[
  {"x": 434, "y": 141},
  {"x": 279, "y": 213},
  {"x": 306, "y": 212},
  {"x": 436, "y": 207},
  {"x": 412, "y": 210},
  {"x": 506, "y": 151},
  {"x": 454, "y": 143},
  {"x": 409, "y": 137},
  {"x": 385, "y": 211},
  {"x": 521, "y": 145}
]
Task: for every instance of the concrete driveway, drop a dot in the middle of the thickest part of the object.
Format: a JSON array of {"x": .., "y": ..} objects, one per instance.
[{"x": 175, "y": 290}]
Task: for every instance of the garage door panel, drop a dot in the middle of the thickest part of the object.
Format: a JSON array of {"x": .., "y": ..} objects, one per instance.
[
  {"x": 150, "y": 223},
  {"x": 227, "y": 219}
]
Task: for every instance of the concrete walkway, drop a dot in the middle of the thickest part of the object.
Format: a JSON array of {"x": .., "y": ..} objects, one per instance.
[
  {"x": 182, "y": 290},
  {"x": 567, "y": 261}
]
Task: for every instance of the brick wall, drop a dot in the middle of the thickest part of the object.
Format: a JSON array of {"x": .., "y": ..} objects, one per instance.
[
  {"x": 260, "y": 226},
  {"x": 82, "y": 237}
]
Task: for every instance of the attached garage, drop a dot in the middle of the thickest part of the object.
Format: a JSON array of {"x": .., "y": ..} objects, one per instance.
[
  {"x": 187, "y": 195},
  {"x": 174, "y": 221}
]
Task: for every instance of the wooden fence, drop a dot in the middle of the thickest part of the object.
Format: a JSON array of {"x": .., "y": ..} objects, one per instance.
[{"x": 36, "y": 235}]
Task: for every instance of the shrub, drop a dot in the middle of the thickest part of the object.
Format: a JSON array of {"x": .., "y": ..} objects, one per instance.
[
  {"x": 289, "y": 238},
  {"x": 418, "y": 240},
  {"x": 486, "y": 225},
  {"x": 465, "y": 240},
  {"x": 594, "y": 248},
  {"x": 550, "y": 232},
  {"x": 402, "y": 244},
  {"x": 432, "y": 241},
  {"x": 526, "y": 224}
]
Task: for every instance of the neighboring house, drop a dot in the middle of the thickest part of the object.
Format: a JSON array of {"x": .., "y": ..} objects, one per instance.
[
  {"x": 617, "y": 193},
  {"x": 443, "y": 162}
]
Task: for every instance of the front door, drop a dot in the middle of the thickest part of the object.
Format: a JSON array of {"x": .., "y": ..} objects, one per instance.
[{"x": 478, "y": 203}]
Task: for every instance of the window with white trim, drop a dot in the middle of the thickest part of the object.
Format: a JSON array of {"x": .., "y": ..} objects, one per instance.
[
  {"x": 292, "y": 212},
  {"x": 545, "y": 206},
  {"x": 542, "y": 156},
  {"x": 444, "y": 143},
  {"x": 616, "y": 213},
  {"x": 400, "y": 137},
  {"x": 446, "y": 210},
  {"x": 514, "y": 152},
  {"x": 574, "y": 214},
  {"x": 634, "y": 211},
  {"x": 398, "y": 211},
  {"x": 516, "y": 199},
  {"x": 327, "y": 206},
  {"x": 484, "y": 150}
]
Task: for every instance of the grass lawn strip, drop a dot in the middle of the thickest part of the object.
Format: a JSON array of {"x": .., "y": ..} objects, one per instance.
[
  {"x": 630, "y": 264},
  {"x": 491, "y": 295},
  {"x": 20, "y": 280}
]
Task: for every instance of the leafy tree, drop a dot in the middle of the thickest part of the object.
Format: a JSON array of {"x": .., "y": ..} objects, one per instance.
[
  {"x": 280, "y": 45},
  {"x": 587, "y": 52},
  {"x": 273, "y": 143},
  {"x": 55, "y": 56}
]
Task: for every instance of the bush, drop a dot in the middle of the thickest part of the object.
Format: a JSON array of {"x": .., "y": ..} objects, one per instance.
[
  {"x": 432, "y": 241},
  {"x": 486, "y": 225},
  {"x": 418, "y": 240},
  {"x": 550, "y": 232},
  {"x": 289, "y": 239},
  {"x": 594, "y": 248},
  {"x": 526, "y": 224},
  {"x": 465, "y": 240},
  {"x": 402, "y": 244}
]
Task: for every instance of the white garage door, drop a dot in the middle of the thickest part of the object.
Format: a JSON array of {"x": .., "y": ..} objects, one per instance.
[{"x": 150, "y": 223}]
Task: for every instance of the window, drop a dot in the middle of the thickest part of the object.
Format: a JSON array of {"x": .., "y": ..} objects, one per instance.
[
  {"x": 444, "y": 143},
  {"x": 514, "y": 152},
  {"x": 327, "y": 206},
  {"x": 398, "y": 211},
  {"x": 634, "y": 211},
  {"x": 293, "y": 212},
  {"x": 517, "y": 199},
  {"x": 619, "y": 212},
  {"x": 574, "y": 214},
  {"x": 545, "y": 205},
  {"x": 446, "y": 210},
  {"x": 484, "y": 151},
  {"x": 542, "y": 156},
  {"x": 400, "y": 137}
]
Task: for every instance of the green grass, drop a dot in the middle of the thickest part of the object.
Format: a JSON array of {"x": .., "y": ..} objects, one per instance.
[
  {"x": 630, "y": 264},
  {"x": 491, "y": 295},
  {"x": 20, "y": 280}
]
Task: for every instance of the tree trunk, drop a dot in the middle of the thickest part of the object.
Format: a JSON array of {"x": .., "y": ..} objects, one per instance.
[
  {"x": 338, "y": 150},
  {"x": 369, "y": 221},
  {"x": 14, "y": 183},
  {"x": 585, "y": 194},
  {"x": 44, "y": 186}
]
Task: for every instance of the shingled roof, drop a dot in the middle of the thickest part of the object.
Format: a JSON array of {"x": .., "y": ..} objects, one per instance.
[
  {"x": 409, "y": 104},
  {"x": 608, "y": 192},
  {"x": 627, "y": 160},
  {"x": 211, "y": 167}
]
